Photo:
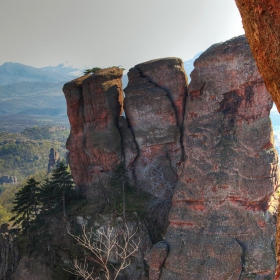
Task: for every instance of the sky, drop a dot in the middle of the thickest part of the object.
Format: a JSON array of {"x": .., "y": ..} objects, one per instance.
[{"x": 103, "y": 33}]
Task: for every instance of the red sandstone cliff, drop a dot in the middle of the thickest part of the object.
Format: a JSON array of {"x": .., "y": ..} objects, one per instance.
[
  {"x": 222, "y": 221},
  {"x": 93, "y": 106},
  {"x": 261, "y": 21}
]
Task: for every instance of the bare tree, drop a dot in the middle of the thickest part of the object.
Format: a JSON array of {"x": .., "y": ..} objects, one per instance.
[{"x": 104, "y": 244}]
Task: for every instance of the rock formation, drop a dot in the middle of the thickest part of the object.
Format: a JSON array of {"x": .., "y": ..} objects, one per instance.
[
  {"x": 216, "y": 148},
  {"x": 93, "y": 106},
  {"x": 54, "y": 158},
  {"x": 222, "y": 220},
  {"x": 262, "y": 27},
  {"x": 154, "y": 107},
  {"x": 8, "y": 179}
]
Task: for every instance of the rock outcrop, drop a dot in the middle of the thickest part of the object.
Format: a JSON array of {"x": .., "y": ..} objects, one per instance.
[
  {"x": 8, "y": 179},
  {"x": 216, "y": 149},
  {"x": 261, "y": 22},
  {"x": 154, "y": 107},
  {"x": 94, "y": 103},
  {"x": 222, "y": 220},
  {"x": 54, "y": 158}
]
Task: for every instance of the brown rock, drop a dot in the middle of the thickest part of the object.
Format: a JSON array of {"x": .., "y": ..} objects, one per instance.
[
  {"x": 222, "y": 220},
  {"x": 93, "y": 105},
  {"x": 261, "y": 21}
]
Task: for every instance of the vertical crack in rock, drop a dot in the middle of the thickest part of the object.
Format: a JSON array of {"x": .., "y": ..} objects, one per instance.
[
  {"x": 169, "y": 74},
  {"x": 151, "y": 113},
  {"x": 242, "y": 258},
  {"x": 226, "y": 188}
]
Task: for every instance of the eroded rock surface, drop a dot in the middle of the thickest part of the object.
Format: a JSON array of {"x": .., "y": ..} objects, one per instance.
[
  {"x": 93, "y": 105},
  {"x": 222, "y": 221},
  {"x": 154, "y": 106},
  {"x": 261, "y": 22}
]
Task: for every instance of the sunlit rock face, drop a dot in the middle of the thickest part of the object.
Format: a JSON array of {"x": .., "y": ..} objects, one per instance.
[
  {"x": 93, "y": 106},
  {"x": 154, "y": 105},
  {"x": 261, "y": 22},
  {"x": 222, "y": 220}
]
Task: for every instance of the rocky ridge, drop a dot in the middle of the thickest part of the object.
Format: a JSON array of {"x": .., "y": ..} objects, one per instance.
[{"x": 215, "y": 148}]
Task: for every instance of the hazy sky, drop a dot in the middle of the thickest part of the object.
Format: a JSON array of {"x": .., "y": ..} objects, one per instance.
[{"x": 112, "y": 32}]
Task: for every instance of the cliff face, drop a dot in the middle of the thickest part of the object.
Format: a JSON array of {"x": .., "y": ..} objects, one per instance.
[
  {"x": 261, "y": 21},
  {"x": 214, "y": 146},
  {"x": 222, "y": 220},
  {"x": 154, "y": 106},
  {"x": 94, "y": 142}
]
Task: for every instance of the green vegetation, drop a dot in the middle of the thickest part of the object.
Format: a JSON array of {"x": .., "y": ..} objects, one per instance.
[
  {"x": 95, "y": 69},
  {"x": 27, "y": 153},
  {"x": 26, "y": 206},
  {"x": 91, "y": 70},
  {"x": 34, "y": 199}
]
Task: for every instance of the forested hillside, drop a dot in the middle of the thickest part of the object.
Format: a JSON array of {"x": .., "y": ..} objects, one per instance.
[{"x": 23, "y": 154}]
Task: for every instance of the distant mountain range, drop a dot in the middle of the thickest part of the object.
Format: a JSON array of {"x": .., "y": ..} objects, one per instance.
[{"x": 33, "y": 96}]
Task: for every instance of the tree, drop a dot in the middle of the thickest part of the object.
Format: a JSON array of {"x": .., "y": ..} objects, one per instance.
[
  {"x": 26, "y": 205},
  {"x": 120, "y": 180},
  {"x": 103, "y": 243},
  {"x": 59, "y": 190},
  {"x": 92, "y": 70}
]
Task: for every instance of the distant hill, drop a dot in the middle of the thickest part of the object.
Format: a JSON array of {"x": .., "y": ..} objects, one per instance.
[
  {"x": 23, "y": 154},
  {"x": 32, "y": 96},
  {"x": 11, "y": 72}
]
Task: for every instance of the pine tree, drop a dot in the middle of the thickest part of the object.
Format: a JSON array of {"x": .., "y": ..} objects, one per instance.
[
  {"x": 26, "y": 205},
  {"x": 61, "y": 187}
]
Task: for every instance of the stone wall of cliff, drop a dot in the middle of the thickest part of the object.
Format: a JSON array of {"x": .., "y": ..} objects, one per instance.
[
  {"x": 222, "y": 221},
  {"x": 261, "y": 22},
  {"x": 214, "y": 146},
  {"x": 93, "y": 106}
]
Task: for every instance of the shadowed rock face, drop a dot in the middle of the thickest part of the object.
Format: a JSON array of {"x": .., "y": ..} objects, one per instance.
[
  {"x": 222, "y": 220},
  {"x": 154, "y": 106},
  {"x": 93, "y": 106},
  {"x": 261, "y": 21}
]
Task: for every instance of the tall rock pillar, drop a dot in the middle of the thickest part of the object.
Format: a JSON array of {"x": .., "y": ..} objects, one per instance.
[
  {"x": 93, "y": 107},
  {"x": 222, "y": 220}
]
